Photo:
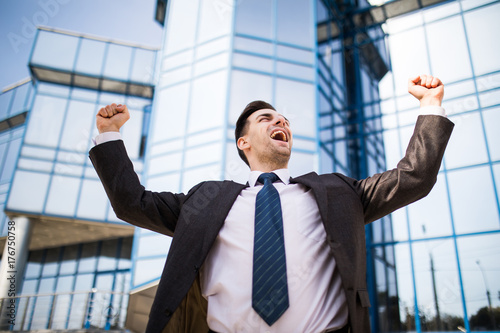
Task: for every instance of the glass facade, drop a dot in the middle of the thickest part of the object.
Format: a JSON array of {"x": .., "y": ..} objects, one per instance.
[
  {"x": 59, "y": 280},
  {"x": 337, "y": 70},
  {"x": 445, "y": 245}
]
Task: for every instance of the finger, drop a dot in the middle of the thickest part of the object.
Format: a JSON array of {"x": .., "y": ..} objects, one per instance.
[
  {"x": 423, "y": 79},
  {"x": 109, "y": 110},
  {"x": 102, "y": 113},
  {"x": 436, "y": 82},
  {"x": 120, "y": 108},
  {"x": 428, "y": 81},
  {"x": 413, "y": 81}
]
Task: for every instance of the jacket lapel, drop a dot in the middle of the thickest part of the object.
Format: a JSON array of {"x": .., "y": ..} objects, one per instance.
[
  {"x": 313, "y": 181},
  {"x": 216, "y": 211}
]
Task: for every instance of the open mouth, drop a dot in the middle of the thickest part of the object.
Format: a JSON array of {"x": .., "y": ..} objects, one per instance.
[{"x": 279, "y": 135}]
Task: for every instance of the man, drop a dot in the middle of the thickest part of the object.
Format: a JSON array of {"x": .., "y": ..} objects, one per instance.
[{"x": 315, "y": 278}]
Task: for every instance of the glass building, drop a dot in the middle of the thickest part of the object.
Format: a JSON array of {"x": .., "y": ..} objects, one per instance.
[{"x": 338, "y": 70}]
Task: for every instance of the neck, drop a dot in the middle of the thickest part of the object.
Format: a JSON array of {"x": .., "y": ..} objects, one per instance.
[{"x": 264, "y": 167}]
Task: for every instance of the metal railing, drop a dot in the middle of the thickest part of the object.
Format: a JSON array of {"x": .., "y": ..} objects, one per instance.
[{"x": 95, "y": 309}]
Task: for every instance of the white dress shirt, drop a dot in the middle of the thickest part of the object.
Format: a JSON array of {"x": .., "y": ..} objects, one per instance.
[{"x": 317, "y": 300}]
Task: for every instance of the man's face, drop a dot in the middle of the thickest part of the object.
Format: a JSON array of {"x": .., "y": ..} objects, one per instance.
[{"x": 268, "y": 138}]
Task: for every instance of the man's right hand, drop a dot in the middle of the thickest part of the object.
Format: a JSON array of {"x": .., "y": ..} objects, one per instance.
[{"x": 111, "y": 118}]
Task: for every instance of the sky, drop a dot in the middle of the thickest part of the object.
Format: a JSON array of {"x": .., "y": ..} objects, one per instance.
[{"x": 121, "y": 20}]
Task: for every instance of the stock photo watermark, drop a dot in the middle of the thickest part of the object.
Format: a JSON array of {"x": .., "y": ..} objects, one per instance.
[{"x": 24, "y": 36}]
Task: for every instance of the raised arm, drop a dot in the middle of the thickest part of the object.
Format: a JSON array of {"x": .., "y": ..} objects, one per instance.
[
  {"x": 130, "y": 201},
  {"x": 416, "y": 173}
]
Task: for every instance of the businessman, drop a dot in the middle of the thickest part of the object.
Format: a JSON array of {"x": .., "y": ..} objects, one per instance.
[{"x": 278, "y": 254}]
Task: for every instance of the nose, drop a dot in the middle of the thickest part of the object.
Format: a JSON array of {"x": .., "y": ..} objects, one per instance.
[{"x": 280, "y": 120}]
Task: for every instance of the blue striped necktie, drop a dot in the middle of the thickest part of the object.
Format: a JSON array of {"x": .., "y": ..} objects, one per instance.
[{"x": 269, "y": 289}]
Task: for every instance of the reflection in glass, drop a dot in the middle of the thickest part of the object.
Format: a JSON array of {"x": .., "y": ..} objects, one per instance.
[
  {"x": 438, "y": 288},
  {"x": 480, "y": 266},
  {"x": 430, "y": 216},
  {"x": 473, "y": 200}
]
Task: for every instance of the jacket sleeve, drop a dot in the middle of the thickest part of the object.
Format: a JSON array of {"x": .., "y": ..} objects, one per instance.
[
  {"x": 157, "y": 211},
  {"x": 415, "y": 174}
]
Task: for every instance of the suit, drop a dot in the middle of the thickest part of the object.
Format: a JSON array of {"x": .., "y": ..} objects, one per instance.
[{"x": 345, "y": 206}]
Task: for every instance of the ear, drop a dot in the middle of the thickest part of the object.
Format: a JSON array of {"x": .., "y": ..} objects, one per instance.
[{"x": 243, "y": 143}]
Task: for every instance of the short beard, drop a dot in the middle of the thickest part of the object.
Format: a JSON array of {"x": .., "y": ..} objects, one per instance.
[{"x": 276, "y": 159}]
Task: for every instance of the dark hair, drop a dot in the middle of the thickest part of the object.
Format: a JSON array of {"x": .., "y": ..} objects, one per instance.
[{"x": 241, "y": 124}]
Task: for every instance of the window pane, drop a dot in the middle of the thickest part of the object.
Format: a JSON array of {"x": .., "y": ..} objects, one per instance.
[
  {"x": 20, "y": 99},
  {"x": 93, "y": 201},
  {"x": 447, "y": 54},
  {"x": 153, "y": 245},
  {"x": 68, "y": 264},
  {"x": 430, "y": 217},
  {"x": 405, "y": 287},
  {"x": 45, "y": 122},
  {"x": 107, "y": 257},
  {"x": 118, "y": 61},
  {"x": 208, "y": 102},
  {"x": 10, "y": 160},
  {"x": 436, "y": 278},
  {"x": 252, "y": 62},
  {"x": 34, "y": 266},
  {"x": 80, "y": 117},
  {"x": 51, "y": 262},
  {"x": 408, "y": 59},
  {"x": 482, "y": 42},
  {"x": 203, "y": 155},
  {"x": 5, "y": 101},
  {"x": 88, "y": 258},
  {"x": 169, "y": 120},
  {"x": 491, "y": 119},
  {"x": 147, "y": 270},
  {"x": 215, "y": 20},
  {"x": 255, "y": 18},
  {"x": 480, "y": 266},
  {"x": 182, "y": 16},
  {"x": 296, "y": 100},
  {"x": 473, "y": 201},
  {"x": 466, "y": 146},
  {"x": 48, "y": 44},
  {"x": 28, "y": 184},
  {"x": 90, "y": 57},
  {"x": 295, "y": 22},
  {"x": 143, "y": 67},
  {"x": 62, "y": 195},
  {"x": 247, "y": 87}
]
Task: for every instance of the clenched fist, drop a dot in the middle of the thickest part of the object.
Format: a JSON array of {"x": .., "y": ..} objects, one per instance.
[
  {"x": 111, "y": 118},
  {"x": 429, "y": 90}
]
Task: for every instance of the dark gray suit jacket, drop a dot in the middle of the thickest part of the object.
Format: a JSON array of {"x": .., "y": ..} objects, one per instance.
[{"x": 194, "y": 220}]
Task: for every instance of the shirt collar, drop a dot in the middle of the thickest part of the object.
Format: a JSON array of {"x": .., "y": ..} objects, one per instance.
[{"x": 283, "y": 174}]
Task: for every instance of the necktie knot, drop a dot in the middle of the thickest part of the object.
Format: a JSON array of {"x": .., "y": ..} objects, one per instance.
[{"x": 271, "y": 177}]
